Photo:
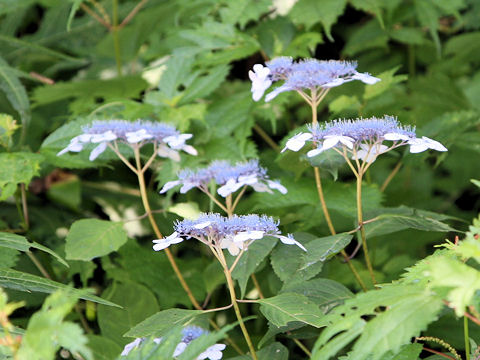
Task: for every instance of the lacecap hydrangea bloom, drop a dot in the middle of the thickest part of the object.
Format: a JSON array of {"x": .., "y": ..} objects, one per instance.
[
  {"x": 362, "y": 138},
  {"x": 189, "y": 334},
  {"x": 307, "y": 74},
  {"x": 167, "y": 139},
  {"x": 229, "y": 177},
  {"x": 234, "y": 234}
]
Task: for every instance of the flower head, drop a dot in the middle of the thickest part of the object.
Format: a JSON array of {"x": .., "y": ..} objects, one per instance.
[
  {"x": 234, "y": 233},
  {"x": 189, "y": 334},
  {"x": 167, "y": 139},
  {"x": 229, "y": 177},
  {"x": 304, "y": 74},
  {"x": 362, "y": 138}
]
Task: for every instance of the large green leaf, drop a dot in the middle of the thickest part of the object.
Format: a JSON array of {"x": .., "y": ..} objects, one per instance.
[
  {"x": 91, "y": 238},
  {"x": 273, "y": 351},
  {"x": 15, "y": 92},
  {"x": 161, "y": 322},
  {"x": 137, "y": 303},
  {"x": 310, "y": 12},
  {"x": 250, "y": 260},
  {"x": 242, "y": 11},
  {"x": 288, "y": 307},
  {"x": 325, "y": 293},
  {"x": 22, "y": 167},
  {"x": 18, "y": 280},
  {"x": 293, "y": 265},
  {"x": 20, "y": 243}
]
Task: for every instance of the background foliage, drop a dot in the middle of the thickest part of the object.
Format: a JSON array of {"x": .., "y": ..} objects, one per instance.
[{"x": 186, "y": 62}]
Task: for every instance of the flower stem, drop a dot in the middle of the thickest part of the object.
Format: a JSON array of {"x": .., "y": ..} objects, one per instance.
[
  {"x": 326, "y": 214},
  {"x": 362, "y": 228},
  {"x": 116, "y": 41},
  {"x": 231, "y": 288},
  {"x": 467, "y": 340},
  {"x": 146, "y": 205}
]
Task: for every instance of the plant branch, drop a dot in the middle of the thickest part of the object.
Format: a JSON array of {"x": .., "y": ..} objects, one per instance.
[
  {"x": 132, "y": 13},
  {"x": 266, "y": 137}
]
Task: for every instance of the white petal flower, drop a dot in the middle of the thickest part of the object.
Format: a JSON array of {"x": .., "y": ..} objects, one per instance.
[
  {"x": 179, "y": 349},
  {"x": 161, "y": 244},
  {"x": 315, "y": 152},
  {"x": 261, "y": 187},
  {"x": 297, "y": 141},
  {"x": 177, "y": 141},
  {"x": 214, "y": 352},
  {"x": 230, "y": 187},
  {"x": 425, "y": 143},
  {"x": 165, "y": 151},
  {"x": 248, "y": 235},
  {"x": 106, "y": 136},
  {"x": 366, "y": 78},
  {"x": 332, "y": 140},
  {"x": 97, "y": 151},
  {"x": 248, "y": 179},
  {"x": 277, "y": 186},
  {"x": 137, "y": 136},
  {"x": 260, "y": 81},
  {"x": 396, "y": 137},
  {"x": 189, "y": 149},
  {"x": 369, "y": 155},
  {"x": 169, "y": 185},
  {"x": 202, "y": 225},
  {"x": 74, "y": 146},
  {"x": 130, "y": 346},
  {"x": 335, "y": 82},
  {"x": 273, "y": 94},
  {"x": 187, "y": 187},
  {"x": 232, "y": 247},
  {"x": 434, "y": 145},
  {"x": 289, "y": 240}
]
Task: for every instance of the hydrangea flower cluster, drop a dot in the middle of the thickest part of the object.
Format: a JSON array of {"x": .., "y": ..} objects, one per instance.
[
  {"x": 362, "y": 138},
  {"x": 189, "y": 334},
  {"x": 229, "y": 177},
  {"x": 234, "y": 234},
  {"x": 308, "y": 74},
  {"x": 166, "y": 137}
]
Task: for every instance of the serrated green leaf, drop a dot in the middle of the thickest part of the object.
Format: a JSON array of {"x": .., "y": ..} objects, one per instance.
[
  {"x": 22, "y": 167},
  {"x": 330, "y": 161},
  {"x": 395, "y": 327},
  {"x": 15, "y": 92},
  {"x": 158, "y": 324},
  {"x": 287, "y": 307},
  {"x": 341, "y": 103},
  {"x": 75, "y": 6},
  {"x": 204, "y": 85},
  {"x": 370, "y": 6},
  {"x": 310, "y": 12},
  {"x": 138, "y": 303},
  {"x": 325, "y": 293},
  {"x": 20, "y": 243},
  {"x": 18, "y": 280},
  {"x": 91, "y": 238},
  {"x": 47, "y": 332},
  {"x": 242, "y": 11},
  {"x": 388, "y": 79},
  {"x": 462, "y": 280},
  {"x": 428, "y": 16},
  {"x": 250, "y": 260},
  {"x": 408, "y": 35}
]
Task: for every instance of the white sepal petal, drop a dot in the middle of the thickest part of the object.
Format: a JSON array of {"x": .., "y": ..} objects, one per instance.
[
  {"x": 169, "y": 185},
  {"x": 97, "y": 151},
  {"x": 277, "y": 186},
  {"x": 289, "y": 240},
  {"x": 297, "y": 141}
]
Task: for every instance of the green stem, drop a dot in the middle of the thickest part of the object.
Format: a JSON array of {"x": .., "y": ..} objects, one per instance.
[
  {"x": 231, "y": 288},
  {"x": 116, "y": 39},
  {"x": 321, "y": 197},
  {"x": 361, "y": 227},
  {"x": 467, "y": 340}
]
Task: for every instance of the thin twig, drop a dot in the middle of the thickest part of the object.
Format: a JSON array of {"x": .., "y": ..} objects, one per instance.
[
  {"x": 95, "y": 16},
  {"x": 132, "y": 13},
  {"x": 391, "y": 176},
  {"x": 266, "y": 137}
]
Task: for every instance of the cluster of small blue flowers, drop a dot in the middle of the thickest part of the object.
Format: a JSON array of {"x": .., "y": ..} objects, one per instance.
[
  {"x": 167, "y": 138},
  {"x": 308, "y": 74},
  {"x": 229, "y": 177},
  {"x": 189, "y": 334},
  {"x": 362, "y": 138},
  {"x": 234, "y": 233}
]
